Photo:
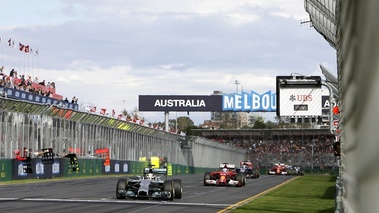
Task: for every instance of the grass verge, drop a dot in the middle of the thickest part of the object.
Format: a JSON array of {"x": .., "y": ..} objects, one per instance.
[{"x": 305, "y": 194}]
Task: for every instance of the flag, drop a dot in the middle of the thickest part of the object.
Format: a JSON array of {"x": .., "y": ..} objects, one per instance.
[
  {"x": 113, "y": 113},
  {"x": 21, "y": 47},
  {"x": 87, "y": 107},
  {"x": 36, "y": 52},
  {"x": 27, "y": 49},
  {"x": 102, "y": 111},
  {"x": 336, "y": 110},
  {"x": 119, "y": 116},
  {"x": 93, "y": 109}
]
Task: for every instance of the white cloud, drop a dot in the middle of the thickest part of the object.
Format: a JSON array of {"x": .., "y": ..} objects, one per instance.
[{"x": 104, "y": 52}]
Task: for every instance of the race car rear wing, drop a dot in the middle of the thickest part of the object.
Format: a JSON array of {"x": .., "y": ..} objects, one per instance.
[
  {"x": 156, "y": 170},
  {"x": 227, "y": 165}
]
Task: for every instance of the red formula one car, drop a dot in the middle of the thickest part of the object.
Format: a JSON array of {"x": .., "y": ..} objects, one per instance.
[
  {"x": 225, "y": 176},
  {"x": 278, "y": 169}
]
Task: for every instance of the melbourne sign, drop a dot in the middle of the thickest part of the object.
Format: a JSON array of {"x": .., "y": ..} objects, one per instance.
[{"x": 247, "y": 102}]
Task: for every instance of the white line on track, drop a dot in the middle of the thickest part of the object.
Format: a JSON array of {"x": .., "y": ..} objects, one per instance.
[{"x": 113, "y": 201}]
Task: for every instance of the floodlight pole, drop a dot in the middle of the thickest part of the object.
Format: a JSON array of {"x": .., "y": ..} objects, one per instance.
[{"x": 236, "y": 82}]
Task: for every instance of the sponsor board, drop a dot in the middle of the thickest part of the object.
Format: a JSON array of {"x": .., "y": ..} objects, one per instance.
[{"x": 246, "y": 102}]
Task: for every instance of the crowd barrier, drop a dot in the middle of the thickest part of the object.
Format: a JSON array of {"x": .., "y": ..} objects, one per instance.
[{"x": 12, "y": 169}]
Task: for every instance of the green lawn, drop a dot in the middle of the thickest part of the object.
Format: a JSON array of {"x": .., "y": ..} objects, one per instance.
[{"x": 311, "y": 193}]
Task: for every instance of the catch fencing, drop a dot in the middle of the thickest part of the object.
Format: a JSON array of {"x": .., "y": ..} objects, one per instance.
[{"x": 33, "y": 127}]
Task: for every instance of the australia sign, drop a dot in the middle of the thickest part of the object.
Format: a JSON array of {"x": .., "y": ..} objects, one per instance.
[{"x": 246, "y": 102}]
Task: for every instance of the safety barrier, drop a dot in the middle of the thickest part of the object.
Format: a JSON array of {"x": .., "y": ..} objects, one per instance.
[{"x": 61, "y": 167}]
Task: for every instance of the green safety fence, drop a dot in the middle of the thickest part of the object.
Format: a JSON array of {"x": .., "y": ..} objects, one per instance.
[
  {"x": 91, "y": 167},
  {"x": 178, "y": 169},
  {"x": 5, "y": 169},
  {"x": 86, "y": 167}
]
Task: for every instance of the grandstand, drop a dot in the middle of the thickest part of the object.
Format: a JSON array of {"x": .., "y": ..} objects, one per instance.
[
  {"x": 309, "y": 148},
  {"x": 32, "y": 92}
]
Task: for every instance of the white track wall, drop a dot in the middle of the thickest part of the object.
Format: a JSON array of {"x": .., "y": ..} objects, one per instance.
[{"x": 358, "y": 69}]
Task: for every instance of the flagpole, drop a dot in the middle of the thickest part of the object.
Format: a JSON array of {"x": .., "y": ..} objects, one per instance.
[
  {"x": 24, "y": 63},
  {"x": 28, "y": 63},
  {"x": 33, "y": 64},
  {"x": 2, "y": 53},
  {"x": 38, "y": 62},
  {"x": 19, "y": 58}
]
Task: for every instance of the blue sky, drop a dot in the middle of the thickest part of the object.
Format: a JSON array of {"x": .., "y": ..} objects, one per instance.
[{"x": 107, "y": 53}]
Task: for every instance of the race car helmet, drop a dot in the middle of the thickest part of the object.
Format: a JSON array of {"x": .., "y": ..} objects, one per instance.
[
  {"x": 149, "y": 176},
  {"x": 224, "y": 169}
]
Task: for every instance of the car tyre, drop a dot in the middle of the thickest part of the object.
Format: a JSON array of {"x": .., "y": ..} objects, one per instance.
[
  {"x": 178, "y": 188},
  {"x": 207, "y": 176},
  {"x": 121, "y": 185},
  {"x": 239, "y": 178},
  {"x": 168, "y": 185}
]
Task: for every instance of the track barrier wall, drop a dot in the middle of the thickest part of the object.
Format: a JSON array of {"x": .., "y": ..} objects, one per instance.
[{"x": 13, "y": 169}]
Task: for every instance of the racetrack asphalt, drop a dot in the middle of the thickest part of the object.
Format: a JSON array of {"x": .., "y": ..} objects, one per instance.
[{"x": 99, "y": 195}]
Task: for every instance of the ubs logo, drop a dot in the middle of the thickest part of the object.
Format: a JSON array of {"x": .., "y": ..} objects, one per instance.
[{"x": 300, "y": 98}]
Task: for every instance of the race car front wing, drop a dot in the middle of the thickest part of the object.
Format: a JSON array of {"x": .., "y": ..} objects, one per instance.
[{"x": 226, "y": 183}]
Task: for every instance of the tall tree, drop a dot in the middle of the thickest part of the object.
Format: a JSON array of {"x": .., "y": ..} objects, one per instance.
[
  {"x": 260, "y": 123},
  {"x": 184, "y": 122}
]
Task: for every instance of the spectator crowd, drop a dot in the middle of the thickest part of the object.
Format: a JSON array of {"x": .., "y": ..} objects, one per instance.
[
  {"x": 27, "y": 84},
  {"x": 312, "y": 151}
]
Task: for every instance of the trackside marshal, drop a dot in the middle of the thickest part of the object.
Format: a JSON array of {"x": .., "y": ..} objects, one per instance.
[{"x": 205, "y": 103}]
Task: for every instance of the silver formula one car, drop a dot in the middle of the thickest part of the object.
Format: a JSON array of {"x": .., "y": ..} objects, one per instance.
[{"x": 152, "y": 185}]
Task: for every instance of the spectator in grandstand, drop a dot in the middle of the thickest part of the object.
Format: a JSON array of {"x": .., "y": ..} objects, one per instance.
[
  {"x": 66, "y": 100},
  {"x": 29, "y": 81},
  {"x": 74, "y": 100},
  {"x": 1, "y": 70},
  {"x": 36, "y": 80},
  {"x": 42, "y": 83},
  {"x": 11, "y": 81},
  {"x": 12, "y": 73},
  {"x": 39, "y": 91},
  {"x": 48, "y": 94}
]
